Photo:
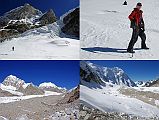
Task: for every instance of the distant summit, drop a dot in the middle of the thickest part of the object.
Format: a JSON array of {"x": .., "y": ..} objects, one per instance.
[
  {"x": 23, "y": 18},
  {"x": 52, "y": 87},
  {"x": 14, "y": 84},
  {"x": 14, "y": 81},
  {"x": 98, "y": 74}
]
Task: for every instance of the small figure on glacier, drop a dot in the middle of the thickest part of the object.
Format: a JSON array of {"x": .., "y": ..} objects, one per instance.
[
  {"x": 13, "y": 48},
  {"x": 125, "y": 3},
  {"x": 138, "y": 26}
]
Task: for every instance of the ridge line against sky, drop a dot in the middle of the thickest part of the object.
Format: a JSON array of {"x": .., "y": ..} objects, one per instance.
[
  {"x": 60, "y": 7},
  {"x": 137, "y": 70},
  {"x": 62, "y": 73}
]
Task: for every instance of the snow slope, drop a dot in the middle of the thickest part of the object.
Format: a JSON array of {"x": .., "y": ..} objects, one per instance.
[
  {"x": 41, "y": 43},
  {"x": 108, "y": 99},
  {"x": 105, "y": 31}
]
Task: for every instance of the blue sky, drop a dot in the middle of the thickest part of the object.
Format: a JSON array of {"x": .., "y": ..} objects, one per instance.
[
  {"x": 59, "y": 6},
  {"x": 62, "y": 73},
  {"x": 136, "y": 69}
]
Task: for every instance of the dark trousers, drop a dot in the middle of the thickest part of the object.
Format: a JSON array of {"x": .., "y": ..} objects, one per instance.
[{"x": 134, "y": 38}]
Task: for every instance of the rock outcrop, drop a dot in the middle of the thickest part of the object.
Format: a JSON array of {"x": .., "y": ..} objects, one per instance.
[
  {"x": 48, "y": 18},
  {"x": 71, "y": 23}
]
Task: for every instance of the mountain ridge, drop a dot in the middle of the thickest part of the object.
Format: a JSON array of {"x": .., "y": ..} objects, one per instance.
[{"x": 111, "y": 75}]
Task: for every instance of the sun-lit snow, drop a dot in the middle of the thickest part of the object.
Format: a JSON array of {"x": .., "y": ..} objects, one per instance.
[
  {"x": 50, "y": 85},
  {"x": 19, "y": 98},
  {"x": 110, "y": 100},
  {"x": 41, "y": 43},
  {"x": 47, "y": 93},
  {"x": 105, "y": 29},
  {"x": 47, "y": 85}
]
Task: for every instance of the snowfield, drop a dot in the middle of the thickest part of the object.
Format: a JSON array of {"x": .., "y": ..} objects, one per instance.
[
  {"x": 105, "y": 29},
  {"x": 108, "y": 99},
  {"x": 41, "y": 43},
  {"x": 19, "y": 98}
]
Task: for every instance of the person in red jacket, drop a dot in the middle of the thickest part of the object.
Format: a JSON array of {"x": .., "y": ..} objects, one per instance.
[{"x": 138, "y": 26}]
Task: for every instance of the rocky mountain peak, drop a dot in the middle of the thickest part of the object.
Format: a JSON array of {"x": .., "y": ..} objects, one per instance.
[
  {"x": 71, "y": 21},
  {"x": 48, "y": 17},
  {"x": 22, "y": 12},
  {"x": 99, "y": 74},
  {"x": 14, "y": 81},
  {"x": 152, "y": 83}
]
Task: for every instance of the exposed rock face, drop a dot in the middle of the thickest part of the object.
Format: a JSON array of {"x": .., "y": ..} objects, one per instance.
[
  {"x": 154, "y": 83},
  {"x": 5, "y": 93},
  {"x": 48, "y": 18},
  {"x": 71, "y": 96},
  {"x": 26, "y": 11},
  {"x": 19, "y": 27},
  {"x": 8, "y": 33},
  {"x": 3, "y": 21},
  {"x": 100, "y": 74},
  {"x": 31, "y": 90},
  {"x": 87, "y": 74},
  {"x": 71, "y": 22},
  {"x": 22, "y": 19}
]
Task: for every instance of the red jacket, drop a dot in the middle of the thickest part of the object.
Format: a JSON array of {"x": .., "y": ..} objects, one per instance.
[{"x": 136, "y": 15}]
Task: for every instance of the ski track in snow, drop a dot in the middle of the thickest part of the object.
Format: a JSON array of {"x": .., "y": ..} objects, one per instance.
[
  {"x": 110, "y": 100},
  {"x": 105, "y": 31}
]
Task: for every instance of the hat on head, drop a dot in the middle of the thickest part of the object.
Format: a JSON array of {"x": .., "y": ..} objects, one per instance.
[{"x": 139, "y": 4}]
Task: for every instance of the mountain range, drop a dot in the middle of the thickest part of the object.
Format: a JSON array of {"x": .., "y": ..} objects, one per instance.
[
  {"x": 23, "y": 18},
  {"x": 16, "y": 86},
  {"x": 90, "y": 72},
  {"x": 94, "y": 73},
  {"x": 46, "y": 101}
]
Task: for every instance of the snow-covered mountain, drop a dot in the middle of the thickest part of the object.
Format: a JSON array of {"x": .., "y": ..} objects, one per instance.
[
  {"x": 99, "y": 74},
  {"x": 17, "y": 86},
  {"x": 33, "y": 28},
  {"x": 152, "y": 83},
  {"x": 13, "y": 81},
  {"x": 111, "y": 91},
  {"x": 52, "y": 87},
  {"x": 140, "y": 83}
]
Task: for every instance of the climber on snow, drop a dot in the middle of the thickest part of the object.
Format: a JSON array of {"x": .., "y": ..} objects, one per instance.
[
  {"x": 138, "y": 26},
  {"x": 13, "y": 48}
]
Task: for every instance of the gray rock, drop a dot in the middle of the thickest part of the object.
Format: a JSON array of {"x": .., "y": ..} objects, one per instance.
[
  {"x": 48, "y": 18},
  {"x": 71, "y": 22}
]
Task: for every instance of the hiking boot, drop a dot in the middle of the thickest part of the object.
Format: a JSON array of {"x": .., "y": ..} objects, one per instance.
[
  {"x": 146, "y": 48},
  {"x": 130, "y": 51}
]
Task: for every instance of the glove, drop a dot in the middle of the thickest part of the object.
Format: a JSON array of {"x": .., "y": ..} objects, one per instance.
[{"x": 143, "y": 29}]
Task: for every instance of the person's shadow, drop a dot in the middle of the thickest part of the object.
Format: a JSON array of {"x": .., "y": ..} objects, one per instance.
[{"x": 103, "y": 49}]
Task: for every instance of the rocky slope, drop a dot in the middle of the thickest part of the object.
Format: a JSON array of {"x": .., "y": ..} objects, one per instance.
[
  {"x": 31, "y": 102},
  {"x": 71, "y": 96},
  {"x": 22, "y": 19},
  {"x": 89, "y": 113},
  {"x": 71, "y": 23},
  {"x": 31, "y": 90},
  {"x": 153, "y": 83},
  {"x": 40, "y": 108}
]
